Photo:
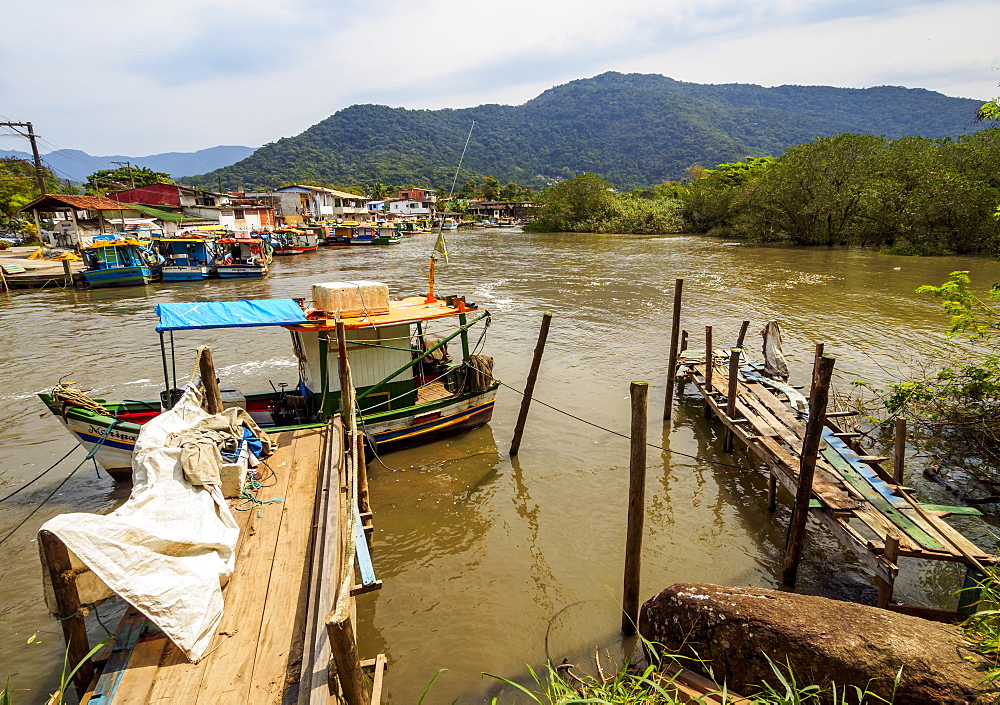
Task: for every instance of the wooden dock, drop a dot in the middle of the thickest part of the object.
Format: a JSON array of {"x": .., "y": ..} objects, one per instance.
[
  {"x": 272, "y": 644},
  {"x": 852, "y": 495}
]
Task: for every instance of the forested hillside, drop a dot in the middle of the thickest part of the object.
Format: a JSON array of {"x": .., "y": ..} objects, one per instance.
[{"x": 635, "y": 130}]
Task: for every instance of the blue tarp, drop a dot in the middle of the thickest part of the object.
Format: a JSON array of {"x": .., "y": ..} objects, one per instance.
[{"x": 229, "y": 314}]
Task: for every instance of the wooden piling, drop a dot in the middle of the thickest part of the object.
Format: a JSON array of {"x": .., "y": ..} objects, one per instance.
[
  {"x": 743, "y": 334},
  {"x": 675, "y": 329},
  {"x": 708, "y": 370},
  {"x": 818, "y": 397},
  {"x": 206, "y": 368},
  {"x": 346, "y": 399},
  {"x": 67, "y": 274},
  {"x": 899, "y": 451},
  {"x": 885, "y": 587},
  {"x": 364, "y": 504},
  {"x": 345, "y": 655},
  {"x": 684, "y": 340},
  {"x": 772, "y": 491},
  {"x": 529, "y": 387},
  {"x": 636, "y": 508},
  {"x": 73, "y": 624},
  {"x": 734, "y": 369}
]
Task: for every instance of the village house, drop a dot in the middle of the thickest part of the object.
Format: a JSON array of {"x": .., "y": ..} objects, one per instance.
[
  {"x": 300, "y": 204},
  {"x": 189, "y": 201},
  {"x": 71, "y": 221},
  {"x": 491, "y": 210},
  {"x": 413, "y": 201}
]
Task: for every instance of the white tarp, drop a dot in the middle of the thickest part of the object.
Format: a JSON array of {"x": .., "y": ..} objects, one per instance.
[
  {"x": 774, "y": 359},
  {"x": 170, "y": 548}
]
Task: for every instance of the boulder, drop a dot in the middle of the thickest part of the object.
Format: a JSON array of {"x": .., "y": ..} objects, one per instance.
[{"x": 731, "y": 630}]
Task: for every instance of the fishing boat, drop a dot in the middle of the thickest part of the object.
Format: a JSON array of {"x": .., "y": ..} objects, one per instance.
[
  {"x": 341, "y": 233},
  {"x": 375, "y": 234},
  {"x": 294, "y": 241},
  {"x": 506, "y": 223},
  {"x": 449, "y": 224},
  {"x": 409, "y": 389},
  {"x": 412, "y": 227},
  {"x": 120, "y": 259},
  {"x": 243, "y": 255},
  {"x": 188, "y": 256}
]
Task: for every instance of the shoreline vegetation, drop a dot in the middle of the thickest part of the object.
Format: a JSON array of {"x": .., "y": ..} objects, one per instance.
[{"x": 911, "y": 196}]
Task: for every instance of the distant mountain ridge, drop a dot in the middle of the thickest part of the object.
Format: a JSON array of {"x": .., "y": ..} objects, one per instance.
[
  {"x": 78, "y": 165},
  {"x": 634, "y": 129}
]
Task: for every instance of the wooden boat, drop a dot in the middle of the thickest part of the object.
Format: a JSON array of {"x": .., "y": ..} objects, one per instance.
[
  {"x": 341, "y": 233},
  {"x": 375, "y": 234},
  {"x": 505, "y": 223},
  {"x": 412, "y": 227},
  {"x": 294, "y": 241},
  {"x": 119, "y": 259},
  {"x": 243, "y": 255},
  {"x": 189, "y": 256},
  {"x": 449, "y": 224},
  {"x": 409, "y": 390}
]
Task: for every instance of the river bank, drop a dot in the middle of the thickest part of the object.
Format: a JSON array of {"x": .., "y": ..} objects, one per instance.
[{"x": 490, "y": 563}]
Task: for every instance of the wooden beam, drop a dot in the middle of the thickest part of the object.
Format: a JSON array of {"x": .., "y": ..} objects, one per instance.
[{"x": 674, "y": 343}]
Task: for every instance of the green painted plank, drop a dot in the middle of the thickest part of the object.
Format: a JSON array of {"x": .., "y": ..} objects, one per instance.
[
  {"x": 891, "y": 512},
  {"x": 970, "y": 511}
]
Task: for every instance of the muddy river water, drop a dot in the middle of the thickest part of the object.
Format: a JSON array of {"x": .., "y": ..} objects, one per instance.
[{"x": 491, "y": 564}]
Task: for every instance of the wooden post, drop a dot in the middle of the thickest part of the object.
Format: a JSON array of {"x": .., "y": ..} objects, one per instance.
[
  {"x": 364, "y": 504},
  {"x": 899, "y": 451},
  {"x": 206, "y": 367},
  {"x": 708, "y": 370},
  {"x": 675, "y": 329},
  {"x": 772, "y": 491},
  {"x": 818, "y": 397},
  {"x": 3, "y": 280},
  {"x": 892, "y": 555},
  {"x": 684, "y": 340},
  {"x": 743, "y": 334},
  {"x": 346, "y": 404},
  {"x": 74, "y": 626},
  {"x": 734, "y": 370},
  {"x": 529, "y": 387},
  {"x": 345, "y": 655},
  {"x": 67, "y": 274},
  {"x": 636, "y": 509}
]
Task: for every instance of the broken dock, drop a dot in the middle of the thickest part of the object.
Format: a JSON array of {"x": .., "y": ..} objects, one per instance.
[{"x": 833, "y": 478}]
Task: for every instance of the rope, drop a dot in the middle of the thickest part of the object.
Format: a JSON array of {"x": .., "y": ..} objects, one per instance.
[
  {"x": 90, "y": 456},
  {"x": 625, "y": 436},
  {"x": 248, "y": 501},
  {"x": 39, "y": 476},
  {"x": 90, "y": 607}
]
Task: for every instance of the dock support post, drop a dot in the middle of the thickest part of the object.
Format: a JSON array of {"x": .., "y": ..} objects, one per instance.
[
  {"x": 529, "y": 387},
  {"x": 818, "y": 397},
  {"x": 67, "y": 274},
  {"x": 734, "y": 369},
  {"x": 772, "y": 491},
  {"x": 899, "y": 451},
  {"x": 345, "y": 655},
  {"x": 684, "y": 340},
  {"x": 709, "y": 359},
  {"x": 346, "y": 403},
  {"x": 743, "y": 334},
  {"x": 885, "y": 587},
  {"x": 206, "y": 368},
  {"x": 73, "y": 624},
  {"x": 675, "y": 330},
  {"x": 636, "y": 508}
]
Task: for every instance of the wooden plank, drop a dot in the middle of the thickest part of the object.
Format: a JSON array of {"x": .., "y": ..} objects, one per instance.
[
  {"x": 227, "y": 671},
  {"x": 783, "y": 431},
  {"x": 890, "y": 511},
  {"x": 131, "y": 627},
  {"x": 279, "y": 646},
  {"x": 777, "y": 407},
  {"x": 138, "y": 677},
  {"x": 314, "y": 679},
  {"x": 377, "y": 679},
  {"x": 831, "y": 495},
  {"x": 363, "y": 557}
]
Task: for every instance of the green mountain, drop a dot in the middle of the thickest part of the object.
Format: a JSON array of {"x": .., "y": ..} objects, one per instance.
[{"x": 633, "y": 129}]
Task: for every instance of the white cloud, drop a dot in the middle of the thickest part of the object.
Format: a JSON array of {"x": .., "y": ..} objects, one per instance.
[{"x": 144, "y": 77}]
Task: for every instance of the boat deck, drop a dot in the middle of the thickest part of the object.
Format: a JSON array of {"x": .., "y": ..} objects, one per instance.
[
  {"x": 853, "y": 496},
  {"x": 432, "y": 392},
  {"x": 257, "y": 651}
]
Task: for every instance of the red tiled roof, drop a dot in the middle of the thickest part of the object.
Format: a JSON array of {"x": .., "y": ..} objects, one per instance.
[{"x": 78, "y": 202}]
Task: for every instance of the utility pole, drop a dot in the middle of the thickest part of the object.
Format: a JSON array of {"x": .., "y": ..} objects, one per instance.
[
  {"x": 131, "y": 180},
  {"x": 39, "y": 171}
]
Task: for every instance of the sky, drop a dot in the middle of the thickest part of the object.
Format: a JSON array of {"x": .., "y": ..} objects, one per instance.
[{"x": 144, "y": 77}]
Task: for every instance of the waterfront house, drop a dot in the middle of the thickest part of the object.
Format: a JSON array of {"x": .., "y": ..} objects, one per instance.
[
  {"x": 73, "y": 221},
  {"x": 315, "y": 203}
]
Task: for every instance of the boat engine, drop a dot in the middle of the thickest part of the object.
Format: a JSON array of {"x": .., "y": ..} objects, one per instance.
[{"x": 288, "y": 409}]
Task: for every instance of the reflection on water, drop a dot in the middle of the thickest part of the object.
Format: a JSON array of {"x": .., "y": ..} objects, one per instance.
[{"x": 489, "y": 564}]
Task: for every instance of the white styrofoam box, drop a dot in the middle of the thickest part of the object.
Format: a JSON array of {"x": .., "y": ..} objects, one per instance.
[
  {"x": 235, "y": 474},
  {"x": 352, "y": 299}
]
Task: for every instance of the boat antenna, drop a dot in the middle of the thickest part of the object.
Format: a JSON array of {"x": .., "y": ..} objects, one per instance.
[{"x": 439, "y": 244}]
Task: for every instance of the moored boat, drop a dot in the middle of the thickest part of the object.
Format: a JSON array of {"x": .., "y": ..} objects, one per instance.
[
  {"x": 375, "y": 234},
  {"x": 120, "y": 259},
  {"x": 243, "y": 255},
  {"x": 188, "y": 256},
  {"x": 407, "y": 394},
  {"x": 294, "y": 241}
]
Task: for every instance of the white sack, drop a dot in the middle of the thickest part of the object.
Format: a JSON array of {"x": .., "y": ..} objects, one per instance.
[
  {"x": 169, "y": 549},
  {"x": 774, "y": 359}
]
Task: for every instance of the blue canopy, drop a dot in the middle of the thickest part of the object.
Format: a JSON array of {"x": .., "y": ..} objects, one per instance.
[{"x": 229, "y": 314}]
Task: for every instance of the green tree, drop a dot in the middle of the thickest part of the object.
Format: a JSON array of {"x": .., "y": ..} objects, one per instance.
[
  {"x": 512, "y": 192},
  {"x": 570, "y": 203},
  {"x": 467, "y": 190},
  {"x": 489, "y": 189},
  {"x": 18, "y": 188},
  {"x": 377, "y": 191},
  {"x": 123, "y": 178}
]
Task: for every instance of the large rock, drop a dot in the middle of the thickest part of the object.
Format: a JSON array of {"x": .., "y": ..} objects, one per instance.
[{"x": 731, "y": 629}]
